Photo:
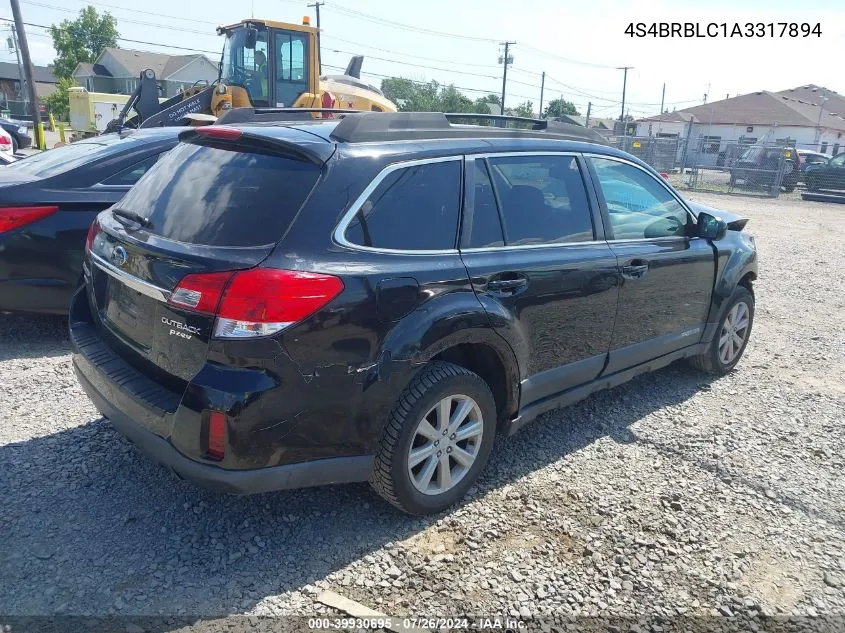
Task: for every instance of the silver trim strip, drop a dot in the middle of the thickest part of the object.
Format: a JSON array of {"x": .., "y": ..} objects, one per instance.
[
  {"x": 139, "y": 285},
  {"x": 339, "y": 233},
  {"x": 522, "y": 247}
]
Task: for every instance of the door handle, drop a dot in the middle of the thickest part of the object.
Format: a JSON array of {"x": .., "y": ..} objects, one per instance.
[
  {"x": 506, "y": 285},
  {"x": 637, "y": 269}
]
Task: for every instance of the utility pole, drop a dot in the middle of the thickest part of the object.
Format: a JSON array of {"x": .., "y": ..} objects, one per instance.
[
  {"x": 819, "y": 124},
  {"x": 505, "y": 60},
  {"x": 30, "y": 74},
  {"x": 624, "y": 87},
  {"x": 317, "y": 6},
  {"x": 542, "y": 88},
  {"x": 589, "y": 107},
  {"x": 662, "y": 97}
]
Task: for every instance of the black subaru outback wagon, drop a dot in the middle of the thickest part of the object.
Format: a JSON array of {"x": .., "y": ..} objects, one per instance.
[{"x": 377, "y": 297}]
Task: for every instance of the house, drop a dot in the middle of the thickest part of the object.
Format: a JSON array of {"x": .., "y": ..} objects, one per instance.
[
  {"x": 807, "y": 117},
  {"x": 117, "y": 70},
  {"x": 11, "y": 97},
  {"x": 601, "y": 125}
]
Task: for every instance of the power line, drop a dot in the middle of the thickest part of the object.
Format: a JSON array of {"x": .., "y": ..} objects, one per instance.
[
  {"x": 430, "y": 59},
  {"x": 360, "y": 15}
]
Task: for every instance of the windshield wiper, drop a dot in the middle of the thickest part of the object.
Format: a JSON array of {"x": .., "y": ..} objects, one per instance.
[{"x": 131, "y": 215}]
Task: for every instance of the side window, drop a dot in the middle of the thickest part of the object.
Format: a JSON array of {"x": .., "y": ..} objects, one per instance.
[
  {"x": 413, "y": 208},
  {"x": 838, "y": 161},
  {"x": 483, "y": 227},
  {"x": 639, "y": 206},
  {"x": 131, "y": 175},
  {"x": 543, "y": 199}
]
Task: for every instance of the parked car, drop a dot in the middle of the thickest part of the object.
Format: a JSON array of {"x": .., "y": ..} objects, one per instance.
[
  {"x": 18, "y": 131},
  {"x": 809, "y": 157},
  {"x": 6, "y": 159},
  {"x": 827, "y": 175},
  {"x": 760, "y": 165},
  {"x": 48, "y": 201},
  {"x": 6, "y": 145},
  {"x": 282, "y": 306}
]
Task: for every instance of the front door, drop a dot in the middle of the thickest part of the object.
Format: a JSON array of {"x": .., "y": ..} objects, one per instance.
[
  {"x": 667, "y": 277},
  {"x": 541, "y": 269}
]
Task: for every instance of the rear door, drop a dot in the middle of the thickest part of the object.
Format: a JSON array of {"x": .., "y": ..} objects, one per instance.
[
  {"x": 200, "y": 209},
  {"x": 533, "y": 245},
  {"x": 667, "y": 276}
]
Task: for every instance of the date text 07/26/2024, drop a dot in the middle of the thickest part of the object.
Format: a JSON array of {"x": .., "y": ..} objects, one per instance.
[{"x": 724, "y": 29}]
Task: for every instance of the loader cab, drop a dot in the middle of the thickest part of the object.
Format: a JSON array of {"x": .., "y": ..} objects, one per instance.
[{"x": 276, "y": 63}]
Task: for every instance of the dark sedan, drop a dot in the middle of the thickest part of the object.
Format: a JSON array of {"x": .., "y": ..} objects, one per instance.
[
  {"x": 827, "y": 175},
  {"x": 48, "y": 201},
  {"x": 19, "y": 132}
]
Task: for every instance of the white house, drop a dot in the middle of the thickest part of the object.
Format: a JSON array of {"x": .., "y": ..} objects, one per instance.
[
  {"x": 116, "y": 70},
  {"x": 808, "y": 117}
]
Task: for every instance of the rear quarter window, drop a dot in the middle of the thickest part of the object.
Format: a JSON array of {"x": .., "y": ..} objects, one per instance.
[
  {"x": 412, "y": 208},
  {"x": 218, "y": 197}
]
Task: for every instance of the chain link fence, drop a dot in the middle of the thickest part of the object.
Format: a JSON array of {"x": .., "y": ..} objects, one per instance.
[{"x": 746, "y": 167}]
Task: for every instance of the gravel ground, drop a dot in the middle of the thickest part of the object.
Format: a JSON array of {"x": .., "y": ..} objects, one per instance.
[{"x": 674, "y": 494}]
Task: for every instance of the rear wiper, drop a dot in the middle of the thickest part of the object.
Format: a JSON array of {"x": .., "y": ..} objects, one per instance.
[{"x": 131, "y": 215}]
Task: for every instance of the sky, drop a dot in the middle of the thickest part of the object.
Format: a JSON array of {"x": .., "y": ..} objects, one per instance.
[{"x": 578, "y": 44}]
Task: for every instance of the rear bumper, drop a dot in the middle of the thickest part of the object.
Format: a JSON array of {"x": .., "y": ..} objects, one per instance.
[{"x": 144, "y": 413}]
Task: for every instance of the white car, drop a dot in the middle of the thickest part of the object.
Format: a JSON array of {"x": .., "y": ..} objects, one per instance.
[{"x": 6, "y": 147}]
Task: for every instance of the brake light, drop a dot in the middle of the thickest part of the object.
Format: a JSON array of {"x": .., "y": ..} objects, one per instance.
[
  {"x": 93, "y": 231},
  {"x": 201, "y": 293},
  {"x": 5, "y": 140},
  {"x": 216, "y": 436},
  {"x": 256, "y": 302},
  {"x": 664, "y": 175},
  {"x": 15, "y": 217},
  {"x": 219, "y": 131}
]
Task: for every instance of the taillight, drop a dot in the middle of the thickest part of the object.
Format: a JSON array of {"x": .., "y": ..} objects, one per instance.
[
  {"x": 202, "y": 292},
  {"x": 5, "y": 140},
  {"x": 93, "y": 231},
  {"x": 16, "y": 217},
  {"x": 216, "y": 436},
  {"x": 256, "y": 302},
  {"x": 219, "y": 131},
  {"x": 664, "y": 175}
]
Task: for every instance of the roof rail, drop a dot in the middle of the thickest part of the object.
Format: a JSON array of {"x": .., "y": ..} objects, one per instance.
[
  {"x": 386, "y": 126},
  {"x": 264, "y": 115}
]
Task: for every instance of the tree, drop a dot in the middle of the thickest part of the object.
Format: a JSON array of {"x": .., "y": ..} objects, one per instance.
[
  {"x": 525, "y": 109},
  {"x": 419, "y": 96},
  {"x": 482, "y": 104},
  {"x": 559, "y": 107},
  {"x": 82, "y": 40},
  {"x": 58, "y": 103}
]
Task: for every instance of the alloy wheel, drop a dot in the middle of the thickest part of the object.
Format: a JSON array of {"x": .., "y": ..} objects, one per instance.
[
  {"x": 445, "y": 444},
  {"x": 734, "y": 332}
]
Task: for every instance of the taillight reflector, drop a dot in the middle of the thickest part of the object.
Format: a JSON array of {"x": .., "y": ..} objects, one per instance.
[
  {"x": 202, "y": 292},
  {"x": 16, "y": 217},
  {"x": 216, "y": 435},
  {"x": 256, "y": 302},
  {"x": 93, "y": 231}
]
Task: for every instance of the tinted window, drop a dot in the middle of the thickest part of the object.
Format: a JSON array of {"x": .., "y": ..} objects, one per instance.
[
  {"x": 639, "y": 206},
  {"x": 483, "y": 226},
  {"x": 131, "y": 175},
  {"x": 203, "y": 195},
  {"x": 838, "y": 161},
  {"x": 414, "y": 208},
  {"x": 62, "y": 159},
  {"x": 543, "y": 199}
]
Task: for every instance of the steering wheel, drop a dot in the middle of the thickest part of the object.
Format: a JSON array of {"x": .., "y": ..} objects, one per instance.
[{"x": 239, "y": 76}]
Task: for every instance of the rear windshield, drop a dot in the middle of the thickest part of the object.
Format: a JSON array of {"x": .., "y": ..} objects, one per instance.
[
  {"x": 62, "y": 159},
  {"x": 203, "y": 195}
]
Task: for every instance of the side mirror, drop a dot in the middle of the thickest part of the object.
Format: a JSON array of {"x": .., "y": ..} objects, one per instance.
[
  {"x": 251, "y": 38},
  {"x": 711, "y": 227}
]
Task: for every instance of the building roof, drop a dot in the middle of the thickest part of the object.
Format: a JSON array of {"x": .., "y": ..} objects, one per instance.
[
  {"x": 135, "y": 62},
  {"x": 43, "y": 89},
  {"x": 805, "y": 106},
  {"x": 43, "y": 74}
]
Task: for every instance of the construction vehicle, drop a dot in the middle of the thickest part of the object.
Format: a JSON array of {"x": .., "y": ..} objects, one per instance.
[{"x": 264, "y": 64}]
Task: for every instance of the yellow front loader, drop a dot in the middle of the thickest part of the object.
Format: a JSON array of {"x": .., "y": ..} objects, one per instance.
[{"x": 264, "y": 64}]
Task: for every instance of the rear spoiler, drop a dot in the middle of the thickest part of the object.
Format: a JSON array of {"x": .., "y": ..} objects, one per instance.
[{"x": 232, "y": 138}]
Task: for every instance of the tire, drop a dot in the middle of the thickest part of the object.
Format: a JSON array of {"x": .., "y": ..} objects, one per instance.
[
  {"x": 14, "y": 145},
  {"x": 392, "y": 477},
  {"x": 713, "y": 361}
]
